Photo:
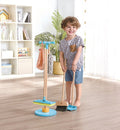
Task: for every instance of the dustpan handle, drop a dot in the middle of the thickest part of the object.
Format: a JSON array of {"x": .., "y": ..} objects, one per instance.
[{"x": 73, "y": 82}]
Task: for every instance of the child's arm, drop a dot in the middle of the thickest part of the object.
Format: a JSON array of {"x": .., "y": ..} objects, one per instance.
[
  {"x": 77, "y": 56},
  {"x": 62, "y": 61}
]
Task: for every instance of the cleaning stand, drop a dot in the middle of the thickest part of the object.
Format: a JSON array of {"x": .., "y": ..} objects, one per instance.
[
  {"x": 45, "y": 111},
  {"x": 71, "y": 107}
]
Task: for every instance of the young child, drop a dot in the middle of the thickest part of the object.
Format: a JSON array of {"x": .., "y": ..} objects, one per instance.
[{"x": 71, "y": 49}]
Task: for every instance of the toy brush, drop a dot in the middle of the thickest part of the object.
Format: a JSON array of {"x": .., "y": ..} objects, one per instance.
[{"x": 62, "y": 105}]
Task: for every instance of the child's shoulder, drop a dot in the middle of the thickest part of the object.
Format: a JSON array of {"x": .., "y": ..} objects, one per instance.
[{"x": 78, "y": 37}]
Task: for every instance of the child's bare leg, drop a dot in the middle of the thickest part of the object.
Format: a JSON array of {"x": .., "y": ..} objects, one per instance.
[
  {"x": 68, "y": 91},
  {"x": 78, "y": 94}
]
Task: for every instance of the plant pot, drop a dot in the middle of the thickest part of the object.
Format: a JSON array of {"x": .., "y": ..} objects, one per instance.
[{"x": 57, "y": 70}]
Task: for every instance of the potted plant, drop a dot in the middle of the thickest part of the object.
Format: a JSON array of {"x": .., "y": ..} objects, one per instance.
[{"x": 59, "y": 35}]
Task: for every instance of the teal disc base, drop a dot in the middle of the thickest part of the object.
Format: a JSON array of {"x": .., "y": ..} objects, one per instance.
[{"x": 51, "y": 112}]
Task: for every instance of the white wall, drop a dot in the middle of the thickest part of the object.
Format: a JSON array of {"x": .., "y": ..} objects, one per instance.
[
  {"x": 66, "y": 7},
  {"x": 103, "y": 42}
]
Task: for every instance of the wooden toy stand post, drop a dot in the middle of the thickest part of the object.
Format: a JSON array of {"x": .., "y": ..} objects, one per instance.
[{"x": 45, "y": 111}]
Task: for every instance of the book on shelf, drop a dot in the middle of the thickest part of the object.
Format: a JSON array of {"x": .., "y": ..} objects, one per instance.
[
  {"x": 27, "y": 17},
  {"x": 25, "y": 35},
  {"x": 19, "y": 15},
  {"x": 20, "y": 33}
]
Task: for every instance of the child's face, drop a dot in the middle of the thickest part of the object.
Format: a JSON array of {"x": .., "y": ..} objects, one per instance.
[{"x": 70, "y": 29}]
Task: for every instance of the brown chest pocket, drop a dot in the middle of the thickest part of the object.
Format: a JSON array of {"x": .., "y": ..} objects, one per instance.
[{"x": 72, "y": 48}]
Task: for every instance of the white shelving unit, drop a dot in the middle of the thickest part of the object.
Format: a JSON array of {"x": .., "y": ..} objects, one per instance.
[{"x": 16, "y": 38}]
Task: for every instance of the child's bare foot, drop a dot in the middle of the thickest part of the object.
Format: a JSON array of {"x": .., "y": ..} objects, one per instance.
[
  {"x": 69, "y": 101},
  {"x": 77, "y": 103}
]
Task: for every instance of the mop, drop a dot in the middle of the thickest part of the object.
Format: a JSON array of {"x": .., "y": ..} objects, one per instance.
[
  {"x": 71, "y": 107},
  {"x": 45, "y": 111},
  {"x": 62, "y": 105}
]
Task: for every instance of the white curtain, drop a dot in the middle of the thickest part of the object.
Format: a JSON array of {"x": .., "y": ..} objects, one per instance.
[{"x": 102, "y": 38}]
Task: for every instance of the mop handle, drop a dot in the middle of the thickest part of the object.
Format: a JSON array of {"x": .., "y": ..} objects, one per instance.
[
  {"x": 45, "y": 73},
  {"x": 46, "y": 64},
  {"x": 63, "y": 83},
  {"x": 73, "y": 82}
]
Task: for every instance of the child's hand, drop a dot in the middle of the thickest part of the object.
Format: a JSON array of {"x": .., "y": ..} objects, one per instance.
[
  {"x": 74, "y": 67},
  {"x": 64, "y": 68}
]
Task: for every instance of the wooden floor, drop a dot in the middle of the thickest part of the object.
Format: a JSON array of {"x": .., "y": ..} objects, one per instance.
[{"x": 100, "y": 105}]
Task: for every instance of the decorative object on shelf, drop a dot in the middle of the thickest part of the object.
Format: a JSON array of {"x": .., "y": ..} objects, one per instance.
[
  {"x": 3, "y": 15},
  {"x": 3, "y": 31},
  {"x": 11, "y": 37},
  {"x": 23, "y": 52}
]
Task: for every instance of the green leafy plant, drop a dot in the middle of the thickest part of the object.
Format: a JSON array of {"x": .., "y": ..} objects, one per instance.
[{"x": 47, "y": 36}]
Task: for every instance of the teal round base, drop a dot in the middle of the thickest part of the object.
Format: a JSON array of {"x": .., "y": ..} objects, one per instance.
[{"x": 51, "y": 112}]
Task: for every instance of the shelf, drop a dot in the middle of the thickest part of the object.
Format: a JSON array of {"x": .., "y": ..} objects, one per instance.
[
  {"x": 8, "y": 23},
  {"x": 9, "y": 58},
  {"x": 16, "y": 39},
  {"x": 23, "y": 23},
  {"x": 8, "y": 41},
  {"x": 25, "y": 57}
]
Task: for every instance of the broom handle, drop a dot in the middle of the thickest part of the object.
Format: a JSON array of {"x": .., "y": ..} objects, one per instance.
[
  {"x": 63, "y": 86},
  {"x": 73, "y": 82},
  {"x": 63, "y": 83},
  {"x": 45, "y": 73}
]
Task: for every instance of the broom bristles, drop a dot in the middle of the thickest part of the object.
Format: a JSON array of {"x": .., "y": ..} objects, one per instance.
[{"x": 61, "y": 108}]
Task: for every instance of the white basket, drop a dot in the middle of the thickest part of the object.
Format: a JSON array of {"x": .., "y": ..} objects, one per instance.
[
  {"x": 6, "y": 69},
  {"x": 7, "y": 54}
]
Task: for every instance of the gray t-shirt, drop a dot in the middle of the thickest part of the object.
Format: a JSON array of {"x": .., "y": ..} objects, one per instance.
[{"x": 69, "y": 48}]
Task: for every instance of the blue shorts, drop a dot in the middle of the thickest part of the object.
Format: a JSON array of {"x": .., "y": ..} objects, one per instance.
[{"x": 78, "y": 76}]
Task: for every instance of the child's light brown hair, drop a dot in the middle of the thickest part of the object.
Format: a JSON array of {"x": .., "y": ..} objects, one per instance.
[{"x": 72, "y": 20}]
